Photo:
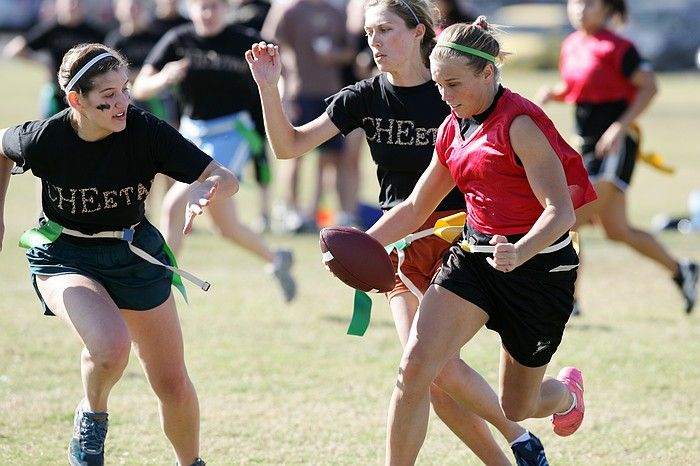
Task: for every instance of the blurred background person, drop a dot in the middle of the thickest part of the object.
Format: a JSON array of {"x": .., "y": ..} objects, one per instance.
[
  {"x": 205, "y": 62},
  {"x": 166, "y": 16},
  {"x": 611, "y": 85},
  {"x": 67, "y": 29},
  {"x": 252, "y": 14},
  {"x": 317, "y": 45},
  {"x": 134, "y": 39}
]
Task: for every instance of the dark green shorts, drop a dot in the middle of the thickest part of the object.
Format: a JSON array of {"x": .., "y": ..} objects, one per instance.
[{"x": 130, "y": 281}]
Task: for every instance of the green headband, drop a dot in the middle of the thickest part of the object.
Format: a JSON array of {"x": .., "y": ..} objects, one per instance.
[{"x": 469, "y": 50}]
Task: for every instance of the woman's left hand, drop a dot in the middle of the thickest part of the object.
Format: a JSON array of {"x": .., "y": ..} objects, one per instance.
[
  {"x": 505, "y": 257},
  {"x": 199, "y": 198},
  {"x": 611, "y": 140}
]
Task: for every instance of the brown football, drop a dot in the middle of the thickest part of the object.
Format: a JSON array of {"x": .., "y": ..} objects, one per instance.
[{"x": 357, "y": 259}]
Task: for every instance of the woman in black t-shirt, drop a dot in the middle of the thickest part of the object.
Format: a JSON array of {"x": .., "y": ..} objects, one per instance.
[
  {"x": 400, "y": 111},
  {"x": 134, "y": 39},
  {"x": 204, "y": 61},
  {"x": 96, "y": 261}
]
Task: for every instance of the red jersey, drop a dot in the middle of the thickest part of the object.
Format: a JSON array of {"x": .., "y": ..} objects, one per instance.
[
  {"x": 591, "y": 68},
  {"x": 486, "y": 169}
]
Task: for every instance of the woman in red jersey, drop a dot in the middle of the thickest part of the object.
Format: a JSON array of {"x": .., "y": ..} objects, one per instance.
[
  {"x": 611, "y": 85},
  {"x": 515, "y": 268}
]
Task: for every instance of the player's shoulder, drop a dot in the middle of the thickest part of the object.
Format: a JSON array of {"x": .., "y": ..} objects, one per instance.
[{"x": 52, "y": 126}]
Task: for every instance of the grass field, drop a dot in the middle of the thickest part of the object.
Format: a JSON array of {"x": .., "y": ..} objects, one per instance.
[{"x": 284, "y": 385}]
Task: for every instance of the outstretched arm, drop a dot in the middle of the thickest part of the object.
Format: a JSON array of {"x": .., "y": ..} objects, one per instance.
[
  {"x": 611, "y": 140},
  {"x": 432, "y": 187},
  {"x": 150, "y": 82},
  {"x": 5, "y": 167},
  {"x": 287, "y": 141},
  {"x": 548, "y": 93},
  {"x": 215, "y": 182}
]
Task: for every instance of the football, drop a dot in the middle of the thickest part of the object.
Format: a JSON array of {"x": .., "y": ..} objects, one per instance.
[{"x": 357, "y": 259}]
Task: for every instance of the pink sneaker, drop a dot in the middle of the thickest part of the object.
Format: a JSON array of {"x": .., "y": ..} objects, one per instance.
[{"x": 567, "y": 424}]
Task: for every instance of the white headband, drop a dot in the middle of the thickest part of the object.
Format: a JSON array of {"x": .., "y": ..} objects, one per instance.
[
  {"x": 84, "y": 69},
  {"x": 411, "y": 10}
]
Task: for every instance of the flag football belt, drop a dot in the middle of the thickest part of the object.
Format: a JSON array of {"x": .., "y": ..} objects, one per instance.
[
  {"x": 469, "y": 245},
  {"x": 49, "y": 231},
  {"x": 449, "y": 228}
]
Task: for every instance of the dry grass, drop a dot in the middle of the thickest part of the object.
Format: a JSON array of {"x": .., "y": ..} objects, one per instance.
[{"x": 285, "y": 385}]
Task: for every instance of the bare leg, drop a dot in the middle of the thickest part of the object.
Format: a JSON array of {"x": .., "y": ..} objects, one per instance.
[
  {"x": 326, "y": 175},
  {"x": 436, "y": 335},
  {"x": 225, "y": 219},
  {"x": 472, "y": 392},
  {"x": 527, "y": 393},
  {"x": 172, "y": 215},
  {"x": 289, "y": 180},
  {"x": 157, "y": 340},
  {"x": 85, "y": 306},
  {"x": 228, "y": 225},
  {"x": 611, "y": 210},
  {"x": 467, "y": 426},
  {"x": 613, "y": 217}
]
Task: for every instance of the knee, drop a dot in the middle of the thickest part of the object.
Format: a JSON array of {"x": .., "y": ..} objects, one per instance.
[
  {"x": 618, "y": 233},
  {"x": 172, "y": 385},
  {"x": 414, "y": 375},
  {"x": 515, "y": 410},
  {"x": 448, "y": 378},
  {"x": 440, "y": 400},
  {"x": 111, "y": 355}
]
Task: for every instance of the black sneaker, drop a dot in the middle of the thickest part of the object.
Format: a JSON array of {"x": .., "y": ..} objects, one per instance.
[
  {"x": 197, "y": 462},
  {"x": 86, "y": 448},
  {"x": 529, "y": 453},
  {"x": 687, "y": 281}
]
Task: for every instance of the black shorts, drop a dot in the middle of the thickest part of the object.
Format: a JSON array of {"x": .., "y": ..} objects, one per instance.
[
  {"x": 131, "y": 282},
  {"x": 528, "y": 307},
  {"x": 615, "y": 168}
]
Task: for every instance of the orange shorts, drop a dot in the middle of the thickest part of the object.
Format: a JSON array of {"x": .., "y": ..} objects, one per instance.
[{"x": 422, "y": 259}]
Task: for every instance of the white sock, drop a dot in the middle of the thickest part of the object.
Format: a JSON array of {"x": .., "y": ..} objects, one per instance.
[
  {"x": 573, "y": 405},
  {"x": 523, "y": 438}
]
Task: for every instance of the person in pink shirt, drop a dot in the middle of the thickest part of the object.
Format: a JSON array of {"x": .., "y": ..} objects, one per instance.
[{"x": 611, "y": 85}]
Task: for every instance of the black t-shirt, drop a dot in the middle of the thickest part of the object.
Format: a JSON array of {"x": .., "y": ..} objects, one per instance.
[
  {"x": 251, "y": 13},
  {"x": 218, "y": 81},
  {"x": 101, "y": 185},
  {"x": 160, "y": 26},
  {"x": 401, "y": 126},
  {"x": 135, "y": 47},
  {"x": 57, "y": 39}
]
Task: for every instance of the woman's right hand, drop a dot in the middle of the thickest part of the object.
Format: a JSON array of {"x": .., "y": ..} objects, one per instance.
[
  {"x": 544, "y": 95},
  {"x": 265, "y": 65},
  {"x": 175, "y": 71}
]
